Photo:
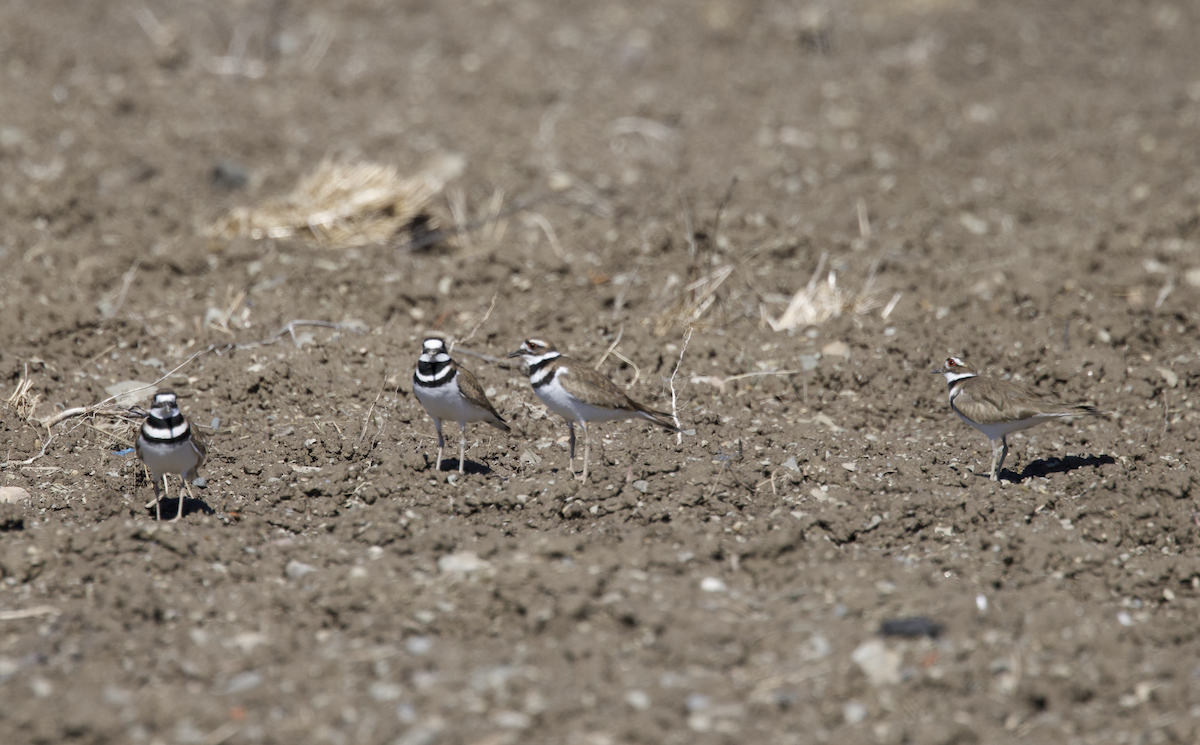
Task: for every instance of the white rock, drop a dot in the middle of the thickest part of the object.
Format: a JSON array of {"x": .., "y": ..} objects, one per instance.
[
  {"x": 880, "y": 664},
  {"x": 297, "y": 569},
  {"x": 381, "y": 691},
  {"x": 854, "y": 712},
  {"x": 419, "y": 645},
  {"x": 638, "y": 699},
  {"x": 512, "y": 719},
  {"x": 461, "y": 562},
  {"x": 836, "y": 349},
  {"x": 12, "y": 494},
  {"x": 712, "y": 584}
]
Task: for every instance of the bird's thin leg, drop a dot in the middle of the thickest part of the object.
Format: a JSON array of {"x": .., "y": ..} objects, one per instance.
[
  {"x": 571, "y": 447},
  {"x": 462, "y": 446},
  {"x": 999, "y": 452},
  {"x": 182, "y": 485},
  {"x": 158, "y": 496},
  {"x": 587, "y": 450},
  {"x": 437, "y": 424}
]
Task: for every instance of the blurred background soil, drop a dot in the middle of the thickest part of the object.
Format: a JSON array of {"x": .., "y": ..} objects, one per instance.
[{"x": 774, "y": 216}]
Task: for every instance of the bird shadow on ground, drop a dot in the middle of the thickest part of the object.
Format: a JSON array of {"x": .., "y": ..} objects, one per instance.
[
  {"x": 450, "y": 465},
  {"x": 191, "y": 506},
  {"x": 1048, "y": 466}
]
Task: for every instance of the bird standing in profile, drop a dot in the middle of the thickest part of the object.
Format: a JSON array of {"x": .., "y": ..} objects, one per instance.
[
  {"x": 580, "y": 395},
  {"x": 448, "y": 391},
  {"x": 167, "y": 444},
  {"x": 997, "y": 408}
]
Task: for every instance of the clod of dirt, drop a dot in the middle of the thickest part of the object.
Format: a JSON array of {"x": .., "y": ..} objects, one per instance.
[{"x": 912, "y": 628}]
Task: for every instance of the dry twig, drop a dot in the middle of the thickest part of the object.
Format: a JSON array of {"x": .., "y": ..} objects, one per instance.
[{"x": 687, "y": 337}]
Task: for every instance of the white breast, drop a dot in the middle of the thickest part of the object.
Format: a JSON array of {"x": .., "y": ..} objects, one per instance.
[
  {"x": 568, "y": 407},
  {"x": 445, "y": 402},
  {"x": 177, "y": 458}
]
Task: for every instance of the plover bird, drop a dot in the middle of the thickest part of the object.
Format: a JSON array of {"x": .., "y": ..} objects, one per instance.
[
  {"x": 997, "y": 408},
  {"x": 580, "y": 395},
  {"x": 167, "y": 444},
  {"x": 448, "y": 391}
]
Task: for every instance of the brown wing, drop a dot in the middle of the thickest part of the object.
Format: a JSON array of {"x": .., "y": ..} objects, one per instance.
[
  {"x": 588, "y": 385},
  {"x": 474, "y": 393},
  {"x": 1003, "y": 400},
  {"x": 200, "y": 444}
]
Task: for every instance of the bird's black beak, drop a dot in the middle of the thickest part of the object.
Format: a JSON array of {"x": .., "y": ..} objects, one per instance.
[{"x": 510, "y": 355}]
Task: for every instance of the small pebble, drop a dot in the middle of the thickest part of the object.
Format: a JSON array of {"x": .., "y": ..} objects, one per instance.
[
  {"x": 297, "y": 569},
  {"x": 511, "y": 719},
  {"x": 381, "y": 691},
  {"x": 697, "y": 702},
  {"x": 642, "y": 485},
  {"x": 638, "y": 699},
  {"x": 712, "y": 584},
  {"x": 244, "y": 682},
  {"x": 854, "y": 712},
  {"x": 419, "y": 645}
]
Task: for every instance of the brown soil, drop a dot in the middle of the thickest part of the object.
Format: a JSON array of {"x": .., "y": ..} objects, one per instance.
[{"x": 1023, "y": 173}]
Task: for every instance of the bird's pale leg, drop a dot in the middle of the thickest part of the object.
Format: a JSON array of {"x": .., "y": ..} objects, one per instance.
[
  {"x": 182, "y": 485},
  {"x": 437, "y": 424},
  {"x": 462, "y": 446},
  {"x": 571, "y": 447},
  {"x": 999, "y": 453},
  {"x": 159, "y": 496},
  {"x": 587, "y": 450}
]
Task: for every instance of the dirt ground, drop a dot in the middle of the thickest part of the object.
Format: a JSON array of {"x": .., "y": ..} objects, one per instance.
[{"x": 1014, "y": 183}]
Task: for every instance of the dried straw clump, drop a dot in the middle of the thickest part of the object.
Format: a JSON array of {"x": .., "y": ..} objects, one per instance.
[
  {"x": 23, "y": 400},
  {"x": 821, "y": 301},
  {"x": 345, "y": 203},
  {"x": 693, "y": 302}
]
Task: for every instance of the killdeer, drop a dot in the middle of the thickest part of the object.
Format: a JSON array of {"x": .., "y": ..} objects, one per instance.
[
  {"x": 997, "y": 408},
  {"x": 167, "y": 444},
  {"x": 448, "y": 391},
  {"x": 580, "y": 395}
]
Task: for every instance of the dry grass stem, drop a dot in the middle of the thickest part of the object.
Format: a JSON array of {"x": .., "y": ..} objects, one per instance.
[
  {"x": 22, "y": 400},
  {"x": 344, "y": 203},
  {"x": 34, "y": 612},
  {"x": 611, "y": 347},
  {"x": 687, "y": 337},
  {"x": 111, "y": 303},
  {"x": 720, "y": 383},
  {"x": 29, "y": 461},
  {"x": 486, "y": 231},
  {"x": 537, "y": 219},
  {"x": 371, "y": 410},
  {"x": 452, "y": 343}
]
